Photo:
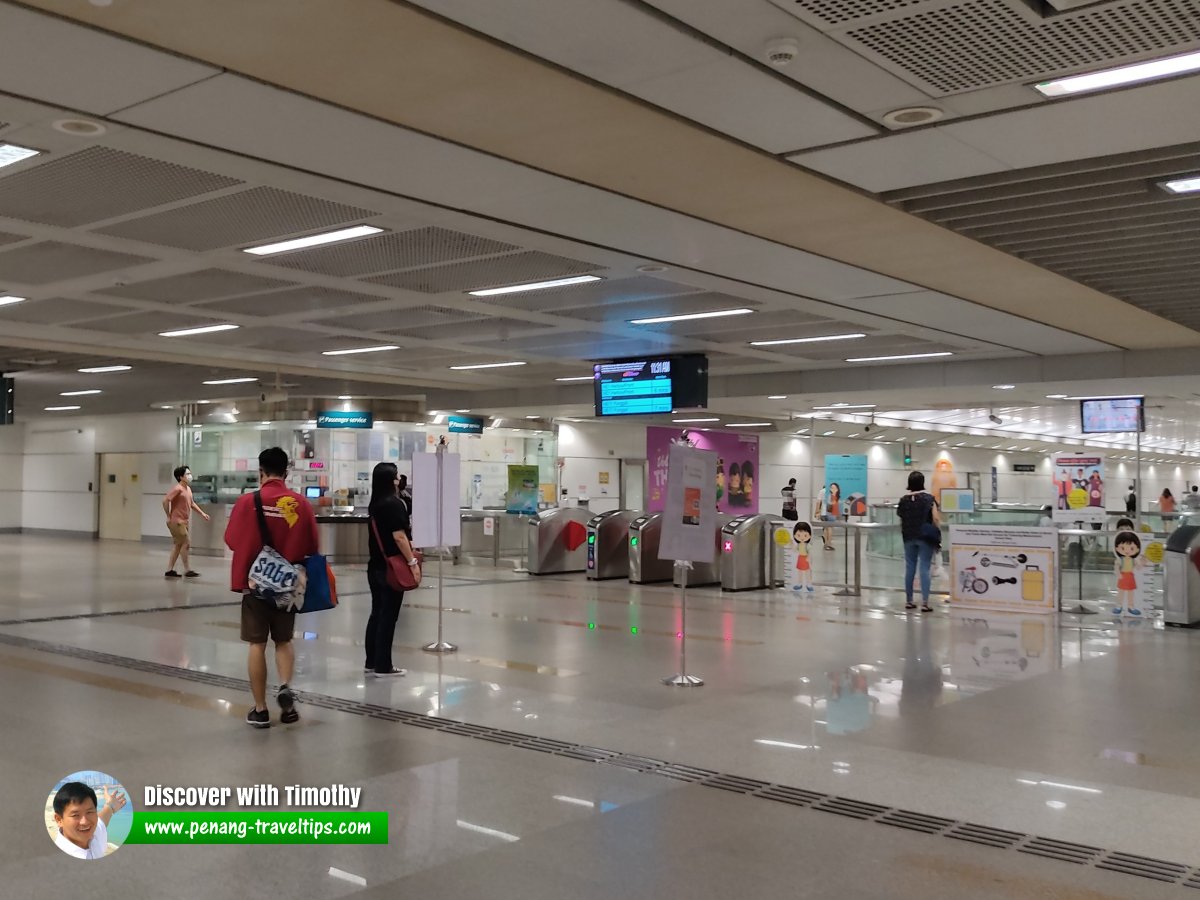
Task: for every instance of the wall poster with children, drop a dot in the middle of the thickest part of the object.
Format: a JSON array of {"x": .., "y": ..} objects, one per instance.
[{"x": 1078, "y": 484}]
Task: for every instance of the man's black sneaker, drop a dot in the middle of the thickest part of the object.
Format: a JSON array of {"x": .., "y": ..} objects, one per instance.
[
  {"x": 259, "y": 718},
  {"x": 287, "y": 705},
  {"x": 190, "y": 574},
  {"x": 171, "y": 573}
]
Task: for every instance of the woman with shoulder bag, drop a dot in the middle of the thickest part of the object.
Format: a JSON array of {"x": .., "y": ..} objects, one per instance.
[
  {"x": 390, "y": 535},
  {"x": 919, "y": 521}
]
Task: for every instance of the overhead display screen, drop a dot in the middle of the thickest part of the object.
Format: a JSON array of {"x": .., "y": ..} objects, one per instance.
[
  {"x": 653, "y": 385},
  {"x": 1112, "y": 414}
]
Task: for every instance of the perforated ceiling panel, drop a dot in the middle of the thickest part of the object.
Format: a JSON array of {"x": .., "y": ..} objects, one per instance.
[
  {"x": 256, "y": 216},
  {"x": 391, "y": 252},
  {"x": 141, "y": 323},
  {"x": 951, "y": 47},
  {"x": 7, "y": 238},
  {"x": 97, "y": 184},
  {"x": 309, "y": 300},
  {"x": 496, "y": 272},
  {"x": 406, "y": 318},
  {"x": 207, "y": 284},
  {"x": 620, "y": 290},
  {"x": 51, "y": 261},
  {"x": 58, "y": 311},
  {"x": 497, "y": 329},
  {"x": 882, "y": 345}
]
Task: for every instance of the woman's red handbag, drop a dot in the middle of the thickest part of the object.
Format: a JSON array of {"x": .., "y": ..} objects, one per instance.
[{"x": 400, "y": 575}]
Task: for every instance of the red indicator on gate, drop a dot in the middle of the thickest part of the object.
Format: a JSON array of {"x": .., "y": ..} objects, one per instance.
[{"x": 727, "y": 546}]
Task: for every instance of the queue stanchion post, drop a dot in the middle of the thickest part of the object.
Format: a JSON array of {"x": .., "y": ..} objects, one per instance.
[
  {"x": 441, "y": 645},
  {"x": 682, "y": 678}
]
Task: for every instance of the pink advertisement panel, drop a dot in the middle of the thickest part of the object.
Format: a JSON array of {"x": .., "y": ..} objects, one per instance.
[{"x": 737, "y": 467}]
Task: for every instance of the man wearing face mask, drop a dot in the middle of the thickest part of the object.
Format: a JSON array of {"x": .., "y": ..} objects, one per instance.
[{"x": 178, "y": 505}]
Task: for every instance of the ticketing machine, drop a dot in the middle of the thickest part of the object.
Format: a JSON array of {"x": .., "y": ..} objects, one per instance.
[{"x": 608, "y": 544}]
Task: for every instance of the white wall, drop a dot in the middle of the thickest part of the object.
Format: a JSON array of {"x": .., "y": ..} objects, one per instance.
[
  {"x": 12, "y": 458},
  {"x": 588, "y": 449},
  {"x": 59, "y": 479}
]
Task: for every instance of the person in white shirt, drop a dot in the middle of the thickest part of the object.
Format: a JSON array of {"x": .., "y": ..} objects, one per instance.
[
  {"x": 82, "y": 829},
  {"x": 1191, "y": 500}
]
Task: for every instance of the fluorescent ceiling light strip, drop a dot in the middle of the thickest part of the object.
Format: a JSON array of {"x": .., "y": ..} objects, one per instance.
[
  {"x": 11, "y": 153},
  {"x": 203, "y": 329},
  {"x": 809, "y": 340},
  {"x": 1181, "y": 185},
  {"x": 1110, "y": 397},
  {"x": 61, "y": 408},
  {"x": 480, "y": 829},
  {"x": 1107, "y": 78},
  {"x": 787, "y": 744},
  {"x": 575, "y": 801},
  {"x": 487, "y": 366},
  {"x": 901, "y": 356},
  {"x": 749, "y": 424},
  {"x": 360, "y": 350},
  {"x": 97, "y": 370},
  {"x": 535, "y": 286},
  {"x": 78, "y": 393},
  {"x": 690, "y": 421},
  {"x": 9, "y": 300},
  {"x": 847, "y": 406},
  {"x": 232, "y": 381},
  {"x": 578, "y": 378},
  {"x": 713, "y": 314},
  {"x": 314, "y": 240}
]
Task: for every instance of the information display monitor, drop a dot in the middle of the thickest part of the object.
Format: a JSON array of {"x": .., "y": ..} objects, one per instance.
[
  {"x": 652, "y": 385},
  {"x": 1107, "y": 415}
]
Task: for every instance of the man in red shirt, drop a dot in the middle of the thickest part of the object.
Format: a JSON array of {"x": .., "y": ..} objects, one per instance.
[{"x": 293, "y": 531}]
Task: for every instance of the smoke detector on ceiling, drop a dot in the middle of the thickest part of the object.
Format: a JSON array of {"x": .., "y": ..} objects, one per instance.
[
  {"x": 781, "y": 52},
  {"x": 912, "y": 115}
]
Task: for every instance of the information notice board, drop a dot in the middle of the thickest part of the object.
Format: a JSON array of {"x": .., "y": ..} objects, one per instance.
[{"x": 1004, "y": 568}]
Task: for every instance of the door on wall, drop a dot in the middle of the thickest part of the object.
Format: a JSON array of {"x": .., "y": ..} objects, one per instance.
[
  {"x": 120, "y": 497},
  {"x": 633, "y": 484}
]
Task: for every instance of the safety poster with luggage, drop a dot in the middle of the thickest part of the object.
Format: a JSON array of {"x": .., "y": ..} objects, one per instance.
[{"x": 1004, "y": 568}]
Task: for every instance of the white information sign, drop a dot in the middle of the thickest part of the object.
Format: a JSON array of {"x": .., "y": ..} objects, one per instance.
[
  {"x": 427, "y": 505},
  {"x": 689, "y": 527},
  {"x": 1004, "y": 568},
  {"x": 489, "y": 526}
]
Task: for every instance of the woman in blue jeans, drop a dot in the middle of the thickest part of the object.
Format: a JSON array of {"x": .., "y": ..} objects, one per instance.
[{"x": 917, "y": 509}]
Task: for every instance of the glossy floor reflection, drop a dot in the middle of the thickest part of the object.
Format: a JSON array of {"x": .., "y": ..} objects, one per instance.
[{"x": 1069, "y": 727}]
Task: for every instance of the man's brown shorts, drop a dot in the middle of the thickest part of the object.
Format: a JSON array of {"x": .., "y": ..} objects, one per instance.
[
  {"x": 260, "y": 619},
  {"x": 179, "y": 532}
]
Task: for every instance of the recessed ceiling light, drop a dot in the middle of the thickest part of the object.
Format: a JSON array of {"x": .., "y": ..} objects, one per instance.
[
  {"x": 1003, "y": 387},
  {"x": 11, "y": 153},
  {"x": 692, "y": 421},
  {"x": 314, "y": 240},
  {"x": 202, "y": 329},
  {"x": 98, "y": 370},
  {"x": 826, "y": 433},
  {"x": 856, "y": 434},
  {"x": 488, "y": 366},
  {"x": 847, "y": 406},
  {"x": 535, "y": 286},
  {"x": 351, "y": 350},
  {"x": 809, "y": 340},
  {"x": 9, "y": 299},
  {"x": 61, "y": 408},
  {"x": 912, "y": 115},
  {"x": 345, "y": 397},
  {"x": 1121, "y": 75},
  {"x": 79, "y": 127},
  {"x": 901, "y": 356},
  {"x": 687, "y": 317},
  {"x": 1187, "y": 185},
  {"x": 578, "y": 378},
  {"x": 462, "y": 410},
  {"x": 232, "y": 381},
  {"x": 1056, "y": 396},
  {"x": 652, "y": 268},
  {"x": 777, "y": 397},
  {"x": 749, "y": 424},
  {"x": 78, "y": 393}
]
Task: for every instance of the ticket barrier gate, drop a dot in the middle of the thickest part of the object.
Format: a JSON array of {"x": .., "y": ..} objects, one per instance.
[
  {"x": 557, "y": 541},
  {"x": 1181, "y": 568},
  {"x": 608, "y": 544},
  {"x": 748, "y": 560},
  {"x": 645, "y": 533},
  {"x": 702, "y": 573}
]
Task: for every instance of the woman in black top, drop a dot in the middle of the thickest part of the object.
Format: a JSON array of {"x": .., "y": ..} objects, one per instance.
[
  {"x": 389, "y": 514},
  {"x": 917, "y": 508}
]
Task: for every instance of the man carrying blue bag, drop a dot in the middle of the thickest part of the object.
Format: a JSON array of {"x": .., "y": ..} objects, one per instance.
[{"x": 272, "y": 533}]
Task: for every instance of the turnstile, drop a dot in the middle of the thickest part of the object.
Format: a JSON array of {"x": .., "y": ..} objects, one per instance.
[
  {"x": 645, "y": 567},
  {"x": 608, "y": 544},
  {"x": 747, "y": 562},
  {"x": 557, "y": 541},
  {"x": 1181, "y": 567},
  {"x": 703, "y": 573}
]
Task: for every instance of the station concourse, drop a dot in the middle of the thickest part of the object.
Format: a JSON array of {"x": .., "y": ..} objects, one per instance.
[{"x": 806, "y": 248}]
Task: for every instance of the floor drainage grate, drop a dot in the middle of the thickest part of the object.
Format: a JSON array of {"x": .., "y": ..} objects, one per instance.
[{"x": 1065, "y": 851}]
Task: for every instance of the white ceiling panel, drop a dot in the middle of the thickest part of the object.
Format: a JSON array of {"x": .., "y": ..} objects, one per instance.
[
  {"x": 58, "y": 311},
  {"x": 50, "y": 261},
  {"x": 901, "y": 160},
  {"x": 131, "y": 72}
]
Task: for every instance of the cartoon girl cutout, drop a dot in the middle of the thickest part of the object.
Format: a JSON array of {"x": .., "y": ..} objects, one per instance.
[
  {"x": 1128, "y": 550},
  {"x": 802, "y": 535}
]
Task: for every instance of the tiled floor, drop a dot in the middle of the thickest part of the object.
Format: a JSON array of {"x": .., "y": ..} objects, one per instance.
[{"x": 1078, "y": 730}]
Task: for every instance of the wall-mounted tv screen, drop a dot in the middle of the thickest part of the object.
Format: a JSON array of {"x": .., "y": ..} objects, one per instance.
[
  {"x": 1112, "y": 414},
  {"x": 656, "y": 384}
]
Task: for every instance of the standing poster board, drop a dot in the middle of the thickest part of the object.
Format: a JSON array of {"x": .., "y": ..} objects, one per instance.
[
  {"x": 426, "y": 501},
  {"x": 690, "y": 519},
  {"x": 523, "y": 490},
  {"x": 1078, "y": 484},
  {"x": 1004, "y": 568},
  {"x": 849, "y": 473}
]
